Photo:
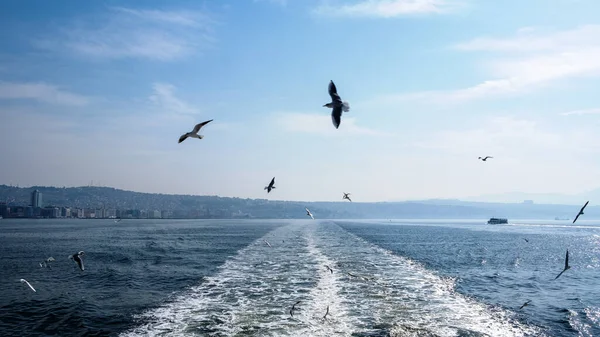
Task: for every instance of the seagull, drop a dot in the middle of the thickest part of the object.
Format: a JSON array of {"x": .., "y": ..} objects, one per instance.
[
  {"x": 337, "y": 105},
  {"x": 77, "y": 258},
  {"x": 329, "y": 268},
  {"x": 580, "y": 211},
  {"x": 46, "y": 263},
  {"x": 194, "y": 133},
  {"x": 484, "y": 158},
  {"x": 346, "y": 196},
  {"x": 119, "y": 219},
  {"x": 292, "y": 309},
  {"x": 267, "y": 242},
  {"x": 524, "y": 304},
  {"x": 525, "y": 240},
  {"x": 25, "y": 281},
  {"x": 566, "y": 265},
  {"x": 271, "y": 185},
  {"x": 326, "y": 312},
  {"x": 309, "y": 213}
]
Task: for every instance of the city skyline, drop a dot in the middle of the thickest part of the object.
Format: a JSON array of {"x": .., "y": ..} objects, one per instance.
[{"x": 105, "y": 91}]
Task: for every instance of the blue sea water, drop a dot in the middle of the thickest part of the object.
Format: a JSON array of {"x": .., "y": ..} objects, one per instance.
[{"x": 220, "y": 278}]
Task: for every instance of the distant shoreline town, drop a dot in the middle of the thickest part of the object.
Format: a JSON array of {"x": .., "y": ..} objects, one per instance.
[
  {"x": 94, "y": 202},
  {"x": 36, "y": 210}
]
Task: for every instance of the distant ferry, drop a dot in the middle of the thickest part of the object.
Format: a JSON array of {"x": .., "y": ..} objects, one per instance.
[
  {"x": 559, "y": 218},
  {"x": 496, "y": 221}
]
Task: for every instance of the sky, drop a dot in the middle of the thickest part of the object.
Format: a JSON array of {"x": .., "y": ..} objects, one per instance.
[{"x": 98, "y": 92}]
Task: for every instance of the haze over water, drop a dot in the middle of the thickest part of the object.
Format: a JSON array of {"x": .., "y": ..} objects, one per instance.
[{"x": 218, "y": 278}]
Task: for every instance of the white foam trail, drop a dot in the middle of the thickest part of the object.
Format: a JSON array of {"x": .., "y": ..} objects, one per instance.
[
  {"x": 253, "y": 292},
  {"x": 406, "y": 298},
  {"x": 324, "y": 294}
]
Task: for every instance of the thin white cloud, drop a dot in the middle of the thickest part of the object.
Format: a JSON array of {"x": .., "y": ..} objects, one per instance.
[
  {"x": 530, "y": 39},
  {"x": 514, "y": 138},
  {"x": 321, "y": 124},
  {"x": 41, "y": 92},
  {"x": 164, "y": 97},
  {"x": 386, "y": 8},
  {"x": 134, "y": 33},
  {"x": 581, "y": 112},
  {"x": 526, "y": 62}
]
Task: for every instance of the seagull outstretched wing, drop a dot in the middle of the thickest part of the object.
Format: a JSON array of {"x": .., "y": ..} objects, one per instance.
[
  {"x": 336, "y": 116},
  {"x": 335, "y": 98},
  {"x": 200, "y": 125},
  {"x": 566, "y": 265}
]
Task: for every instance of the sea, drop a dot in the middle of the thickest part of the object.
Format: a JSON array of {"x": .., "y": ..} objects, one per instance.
[{"x": 242, "y": 277}]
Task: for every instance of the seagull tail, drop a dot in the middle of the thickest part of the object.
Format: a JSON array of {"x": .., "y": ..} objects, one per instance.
[{"x": 345, "y": 106}]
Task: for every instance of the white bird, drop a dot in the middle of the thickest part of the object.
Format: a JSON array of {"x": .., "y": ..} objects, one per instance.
[
  {"x": 309, "y": 213},
  {"x": 46, "y": 263},
  {"x": 267, "y": 242},
  {"x": 194, "y": 133},
  {"x": 25, "y": 281},
  {"x": 337, "y": 105},
  {"x": 77, "y": 258}
]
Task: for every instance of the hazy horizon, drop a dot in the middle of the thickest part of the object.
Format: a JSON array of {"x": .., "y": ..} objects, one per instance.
[
  {"x": 510, "y": 197},
  {"x": 96, "y": 92}
]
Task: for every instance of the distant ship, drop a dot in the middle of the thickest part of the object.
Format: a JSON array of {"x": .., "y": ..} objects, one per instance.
[
  {"x": 559, "y": 218},
  {"x": 496, "y": 221}
]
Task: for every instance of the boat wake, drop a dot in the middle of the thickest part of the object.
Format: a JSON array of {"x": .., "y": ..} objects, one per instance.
[{"x": 371, "y": 292}]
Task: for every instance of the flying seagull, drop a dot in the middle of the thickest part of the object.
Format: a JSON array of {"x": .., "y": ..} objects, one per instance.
[
  {"x": 346, "y": 196},
  {"x": 326, "y": 313},
  {"x": 46, "y": 263},
  {"x": 580, "y": 211},
  {"x": 329, "y": 268},
  {"x": 292, "y": 309},
  {"x": 309, "y": 213},
  {"x": 194, "y": 133},
  {"x": 525, "y": 304},
  {"x": 119, "y": 219},
  {"x": 77, "y": 258},
  {"x": 485, "y": 158},
  {"x": 337, "y": 105},
  {"x": 25, "y": 281},
  {"x": 267, "y": 242},
  {"x": 525, "y": 240},
  {"x": 566, "y": 265},
  {"x": 271, "y": 185}
]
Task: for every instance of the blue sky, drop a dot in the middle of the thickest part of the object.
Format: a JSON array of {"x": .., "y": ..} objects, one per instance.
[{"x": 101, "y": 91}]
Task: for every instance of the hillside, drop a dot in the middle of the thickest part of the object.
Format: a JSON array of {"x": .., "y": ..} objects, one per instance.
[{"x": 222, "y": 207}]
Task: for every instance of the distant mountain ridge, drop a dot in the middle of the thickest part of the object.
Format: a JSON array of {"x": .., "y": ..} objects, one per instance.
[{"x": 225, "y": 207}]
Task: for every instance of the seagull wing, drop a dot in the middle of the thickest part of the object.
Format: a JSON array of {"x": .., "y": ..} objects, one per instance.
[
  {"x": 79, "y": 261},
  {"x": 183, "y": 137},
  {"x": 582, "y": 208},
  {"x": 336, "y": 116},
  {"x": 567, "y": 260},
  {"x": 335, "y": 98},
  {"x": 198, "y": 126},
  {"x": 559, "y": 274},
  {"x": 577, "y": 216},
  {"x": 272, "y": 182},
  {"x": 25, "y": 281}
]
